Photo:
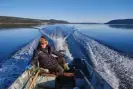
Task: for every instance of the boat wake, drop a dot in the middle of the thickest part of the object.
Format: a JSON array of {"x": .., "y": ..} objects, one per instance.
[
  {"x": 59, "y": 34},
  {"x": 13, "y": 67},
  {"x": 60, "y": 44},
  {"x": 115, "y": 68}
]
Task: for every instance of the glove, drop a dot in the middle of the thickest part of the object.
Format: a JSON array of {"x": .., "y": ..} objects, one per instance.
[{"x": 66, "y": 67}]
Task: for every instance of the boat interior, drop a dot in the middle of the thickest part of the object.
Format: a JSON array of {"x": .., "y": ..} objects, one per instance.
[
  {"x": 80, "y": 76},
  {"x": 38, "y": 79},
  {"x": 67, "y": 81}
]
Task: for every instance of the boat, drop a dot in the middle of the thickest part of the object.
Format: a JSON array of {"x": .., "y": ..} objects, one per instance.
[{"x": 82, "y": 76}]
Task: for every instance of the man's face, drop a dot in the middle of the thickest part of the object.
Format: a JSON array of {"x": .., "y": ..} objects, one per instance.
[{"x": 43, "y": 45}]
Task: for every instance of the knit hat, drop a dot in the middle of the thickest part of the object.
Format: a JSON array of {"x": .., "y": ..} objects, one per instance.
[{"x": 43, "y": 41}]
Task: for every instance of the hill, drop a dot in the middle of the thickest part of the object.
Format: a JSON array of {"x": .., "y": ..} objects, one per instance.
[
  {"x": 121, "y": 21},
  {"x": 19, "y": 20}
]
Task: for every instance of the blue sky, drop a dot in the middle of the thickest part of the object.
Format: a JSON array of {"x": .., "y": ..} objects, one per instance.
[{"x": 70, "y": 10}]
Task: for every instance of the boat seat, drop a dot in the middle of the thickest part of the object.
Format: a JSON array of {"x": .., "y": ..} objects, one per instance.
[
  {"x": 49, "y": 75},
  {"x": 68, "y": 74},
  {"x": 54, "y": 75}
]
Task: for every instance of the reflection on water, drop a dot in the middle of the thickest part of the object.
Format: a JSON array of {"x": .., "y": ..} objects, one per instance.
[{"x": 121, "y": 26}]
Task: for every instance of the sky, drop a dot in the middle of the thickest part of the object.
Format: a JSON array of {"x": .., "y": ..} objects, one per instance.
[{"x": 69, "y": 10}]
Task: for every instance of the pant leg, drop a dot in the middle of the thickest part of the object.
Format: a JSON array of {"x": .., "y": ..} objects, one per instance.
[
  {"x": 59, "y": 70},
  {"x": 61, "y": 61}
]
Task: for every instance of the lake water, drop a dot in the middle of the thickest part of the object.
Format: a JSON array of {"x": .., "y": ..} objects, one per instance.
[
  {"x": 108, "y": 48},
  {"x": 13, "y": 39},
  {"x": 120, "y": 39},
  {"x": 12, "y": 52}
]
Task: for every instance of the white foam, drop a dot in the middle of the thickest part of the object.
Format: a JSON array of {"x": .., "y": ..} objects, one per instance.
[
  {"x": 60, "y": 44},
  {"x": 97, "y": 52},
  {"x": 103, "y": 68}
]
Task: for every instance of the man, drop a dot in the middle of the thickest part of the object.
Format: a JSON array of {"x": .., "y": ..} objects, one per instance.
[{"x": 44, "y": 55}]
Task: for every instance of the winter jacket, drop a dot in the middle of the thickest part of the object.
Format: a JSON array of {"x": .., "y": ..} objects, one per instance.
[{"x": 46, "y": 59}]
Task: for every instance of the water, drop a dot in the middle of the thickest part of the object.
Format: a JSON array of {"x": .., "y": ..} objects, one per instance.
[
  {"x": 110, "y": 51},
  {"x": 13, "y": 39},
  {"x": 107, "y": 48},
  {"x": 120, "y": 39},
  {"x": 16, "y": 50}
]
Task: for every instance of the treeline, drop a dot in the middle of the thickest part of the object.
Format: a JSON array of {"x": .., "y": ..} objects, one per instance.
[
  {"x": 121, "y": 21},
  {"x": 19, "y": 20}
]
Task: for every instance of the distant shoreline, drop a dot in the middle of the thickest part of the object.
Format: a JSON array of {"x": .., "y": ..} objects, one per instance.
[
  {"x": 16, "y": 22},
  {"x": 7, "y": 21},
  {"x": 18, "y": 25},
  {"x": 121, "y": 21}
]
